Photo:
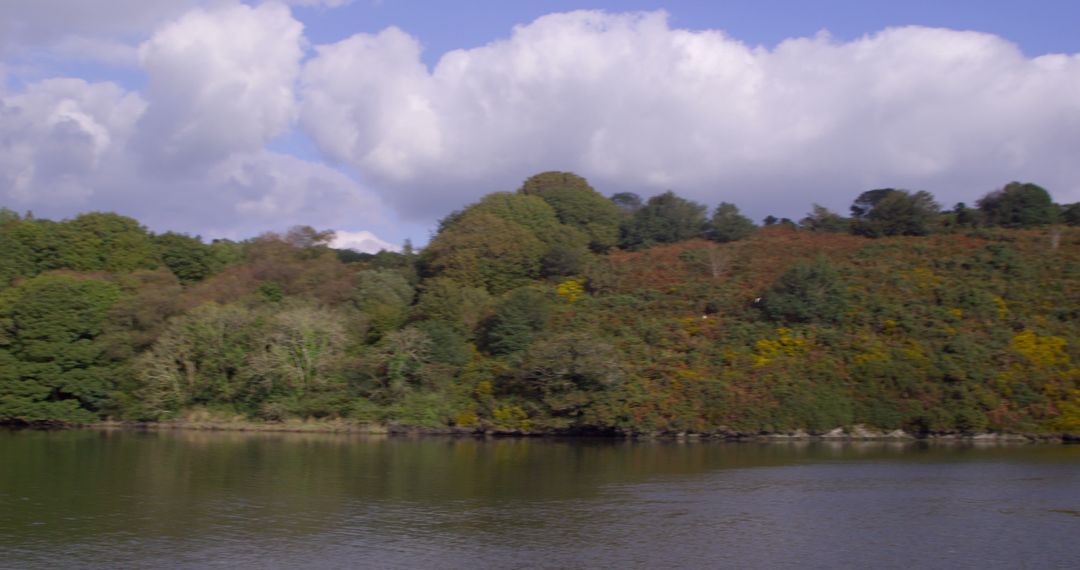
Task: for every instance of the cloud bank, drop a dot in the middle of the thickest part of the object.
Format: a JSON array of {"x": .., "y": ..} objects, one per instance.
[
  {"x": 634, "y": 104},
  {"x": 189, "y": 151},
  {"x": 623, "y": 99}
]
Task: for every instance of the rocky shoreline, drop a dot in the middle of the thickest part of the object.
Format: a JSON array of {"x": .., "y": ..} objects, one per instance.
[{"x": 857, "y": 433}]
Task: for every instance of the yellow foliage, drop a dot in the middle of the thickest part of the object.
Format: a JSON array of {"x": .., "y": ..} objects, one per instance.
[
  {"x": 785, "y": 344},
  {"x": 483, "y": 389},
  {"x": 915, "y": 352},
  {"x": 571, "y": 290},
  {"x": 692, "y": 325},
  {"x": 466, "y": 419},
  {"x": 688, "y": 374},
  {"x": 511, "y": 417},
  {"x": 957, "y": 313},
  {"x": 871, "y": 351},
  {"x": 889, "y": 326},
  {"x": 1042, "y": 351},
  {"x": 924, "y": 278},
  {"x": 1002, "y": 307},
  {"x": 1069, "y": 420}
]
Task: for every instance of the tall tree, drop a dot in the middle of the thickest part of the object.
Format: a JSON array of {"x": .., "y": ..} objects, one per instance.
[
  {"x": 727, "y": 224},
  {"x": 53, "y": 365},
  {"x": 821, "y": 219},
  {"x": 1018, "y": 205},
  {"x": 187, "y": 257},
  {"x": 665, "y": 218},
  {"x": 577, "y": 205},
  {"x": 890, "y": 212},
  {"x": 483, "y": 250}
]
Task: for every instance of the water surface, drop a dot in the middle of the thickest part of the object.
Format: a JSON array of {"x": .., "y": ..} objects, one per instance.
[{"x": 125, "y": 499}]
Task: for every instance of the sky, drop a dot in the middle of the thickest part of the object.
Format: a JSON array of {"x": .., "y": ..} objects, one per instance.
[{"x": 224, "y": 118}]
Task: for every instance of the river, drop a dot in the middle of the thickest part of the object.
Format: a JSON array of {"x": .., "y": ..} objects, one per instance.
[{"x": 127, "y": 499}]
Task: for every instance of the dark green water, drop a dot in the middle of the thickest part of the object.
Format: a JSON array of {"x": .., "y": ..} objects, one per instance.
[{"x": 85, "y": 499}]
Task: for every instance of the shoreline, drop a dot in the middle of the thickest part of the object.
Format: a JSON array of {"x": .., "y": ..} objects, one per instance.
[{"x": 852, "y": 434}]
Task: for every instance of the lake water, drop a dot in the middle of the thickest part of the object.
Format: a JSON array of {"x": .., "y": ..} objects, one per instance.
[{"x": 89, "y": 499}]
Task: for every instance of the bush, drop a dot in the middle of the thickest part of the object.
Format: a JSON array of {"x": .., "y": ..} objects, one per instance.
[{"x": 808, "y": 292}]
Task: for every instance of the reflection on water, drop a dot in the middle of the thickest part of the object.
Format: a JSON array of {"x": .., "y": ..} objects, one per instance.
[{"x": 207, "y": 499}]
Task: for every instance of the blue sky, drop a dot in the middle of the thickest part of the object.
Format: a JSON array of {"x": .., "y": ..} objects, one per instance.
[
  {"x": 375, "y": 118},
  {"x": 1039, "y": 27}
]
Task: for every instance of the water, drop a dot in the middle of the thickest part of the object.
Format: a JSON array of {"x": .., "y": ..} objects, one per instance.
[{"x": 90, "y": 499}]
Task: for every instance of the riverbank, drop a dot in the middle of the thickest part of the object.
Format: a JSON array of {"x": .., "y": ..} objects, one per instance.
[{"x": 839, "y": 434}]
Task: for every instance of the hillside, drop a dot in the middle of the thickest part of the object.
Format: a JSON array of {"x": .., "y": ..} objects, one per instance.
[{"x": 520, "y": 316}]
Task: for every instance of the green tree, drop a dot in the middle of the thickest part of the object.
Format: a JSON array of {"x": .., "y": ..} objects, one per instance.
[
  {"x": 448, "y": 344},
  {"x": 516, "y": 320},
  {"x": 889, "y": 212},
  {"x": 53, "y": 365},
  {"x": 117, "y": 243},
  {"x": 578, "y": 205},
  {"x": 808, "y": 292},
  {"x": 1018, "y": 205},
  {"x": 964, "y": 216},
  {"x": 665, "y": 218},
  {"x": 529, "y": 212},
  {"x": 448, "y": 301},
  {"x": 201, "y": 358},
  {"x": 187, "y": 257},
  {"x": 728, "y": 224},
  {"x": 627, "y": 202},
  {"x": 568, "y": 371},
  {"x": 483, "y": 250},
  {"x": 16, "y": 259},
  {"x": 42, "y": 245},
  {"x": 8, "y": 216},
  {"x": 399, "y": 361},
  {"x": 1070, "y": 214},
  {"x": 300, "y": 352},
  {"x": 865, "y": 203},
  {"x": 821, "y": 219},
  {"x": 385, "y": 296}
]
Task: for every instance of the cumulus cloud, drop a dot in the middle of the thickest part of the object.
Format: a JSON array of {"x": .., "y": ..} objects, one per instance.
[
  {"x": 624, "y": 99},
  {"x": 219, "y": 81},
  {"x": 189, "y": 152},
  {"x": 265, "y": 189},
  {"x": 634, "y": 104},
  {"x": 58, "y": 135}
]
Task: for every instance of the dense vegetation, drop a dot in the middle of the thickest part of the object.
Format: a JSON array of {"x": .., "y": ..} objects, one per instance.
[{"x": 553, "y": 307}]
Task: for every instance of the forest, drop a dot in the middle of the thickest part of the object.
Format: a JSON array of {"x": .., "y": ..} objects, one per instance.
[{"x": 555, "y": 309}]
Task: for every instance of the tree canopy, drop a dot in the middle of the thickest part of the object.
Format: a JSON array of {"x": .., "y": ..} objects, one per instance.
[
  {"x": 727, "y": 224},
  {"x": 1018, "y": 205},
  {"x": 665, "y": 218}
]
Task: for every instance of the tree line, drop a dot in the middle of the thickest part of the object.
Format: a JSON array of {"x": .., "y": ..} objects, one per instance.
[{"x": 553, "y": 307}]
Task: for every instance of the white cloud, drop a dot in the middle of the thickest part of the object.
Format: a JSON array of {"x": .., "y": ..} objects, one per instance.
[
  {"x": 633, "y": 104},
  {"x": 321, "y": 3},
  {"x": 58, "y": 135},
  {"x": 362, "y": 241},
  {"x": 623, "y": 99},
  {"x": 65, "y": 148},
  {"x": 368, "y": 102},
  {"x": 189, "y": 153},
  {"x": 266, "y": 190},
  {"x": 219, "y": 81}
]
